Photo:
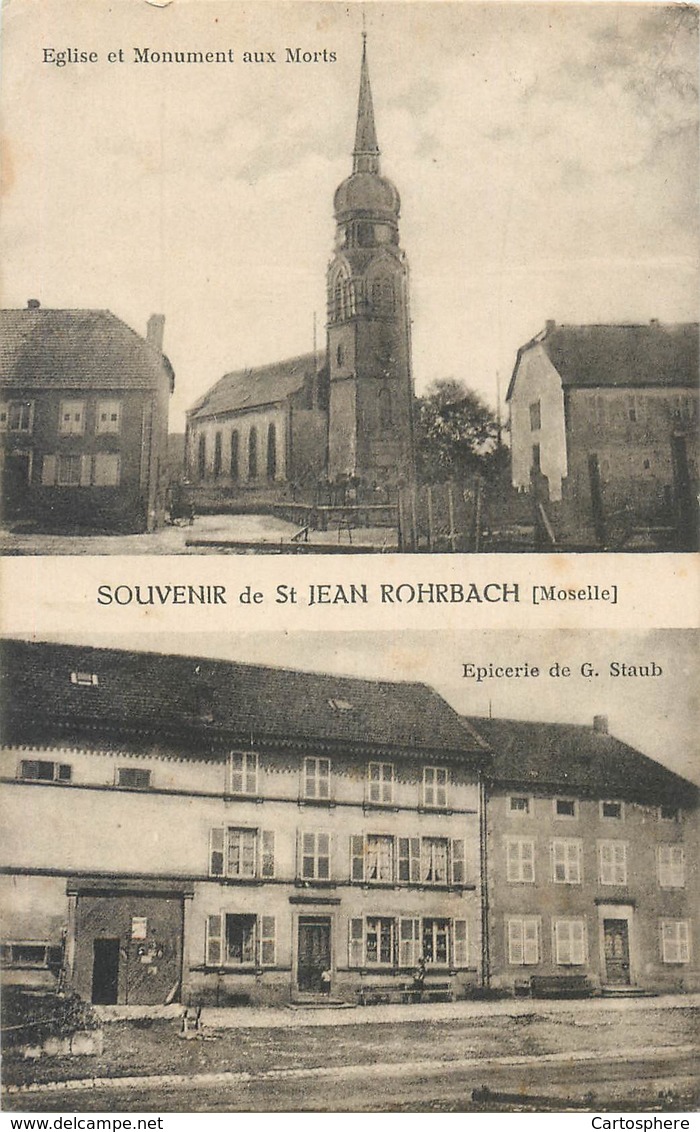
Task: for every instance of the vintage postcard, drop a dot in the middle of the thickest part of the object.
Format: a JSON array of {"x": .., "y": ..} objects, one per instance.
[{"x": 341, "y": 771}]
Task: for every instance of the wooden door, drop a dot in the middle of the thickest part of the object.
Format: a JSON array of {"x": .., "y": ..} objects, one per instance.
[
  {"x": 314, "y": 955},
  {"x": 617, "y": 951},
  {"x": 105, "y": 971}
]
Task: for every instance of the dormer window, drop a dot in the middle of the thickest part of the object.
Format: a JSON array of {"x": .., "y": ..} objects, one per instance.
[
  {"x": 565, "y": 807},
  {"x": 84, "y": 679},
  {"x": 340, "y": 705}
]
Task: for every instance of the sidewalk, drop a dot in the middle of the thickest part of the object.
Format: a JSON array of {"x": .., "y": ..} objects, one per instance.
[{"x": 251, "y": 1017}]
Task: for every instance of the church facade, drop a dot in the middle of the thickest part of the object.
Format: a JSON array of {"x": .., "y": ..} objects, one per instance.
[{"x": 342, "y": 418}]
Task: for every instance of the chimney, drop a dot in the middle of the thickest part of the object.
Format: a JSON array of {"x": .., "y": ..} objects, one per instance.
[
  {"x": 155, "y": 330},
  {"x": 600, "y": 724},
  {"x": 550, "y": 326},
  {"x": 33, "y": 304}
]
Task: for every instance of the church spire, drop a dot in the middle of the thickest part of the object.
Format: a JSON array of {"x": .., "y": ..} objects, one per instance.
[{"x": 366, "y": 152}]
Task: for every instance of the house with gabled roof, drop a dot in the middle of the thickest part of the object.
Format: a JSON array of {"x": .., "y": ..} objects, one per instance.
[
  {"x": 186, "y": 828},
  {"x": 604, "y": 427},
  {"x": 83, "y": 419},
  {"x": 591, "y": 860}
]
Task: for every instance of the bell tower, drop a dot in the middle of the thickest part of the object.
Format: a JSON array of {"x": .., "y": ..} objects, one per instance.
[{"x": 370, "y": 432}]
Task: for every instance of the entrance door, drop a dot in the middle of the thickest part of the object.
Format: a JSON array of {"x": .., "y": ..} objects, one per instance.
[
  {"x": 617, "y": 951},
  {"x": 105, "y": 971},
  {"x": 314, "y": 952},
  {"x": 15, "y": 482}
]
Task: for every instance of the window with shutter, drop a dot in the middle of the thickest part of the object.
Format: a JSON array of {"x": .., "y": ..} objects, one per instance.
[
  {"x": 356, "y": 933},
  {"x": 671, "y": 866},
  {"x": 460, "y": 947},
  {"x": 106, "y": 469},
  {"x": 316, "y": 782},
  {"x": 380, "y": 783},
  {"x": 520, "y": 860},
  {"x": 409, "y": 941},
  {"x": 267, "y": 941},
  {"x": 379, "y": 858},
  {"x": 409, "y": 860},
  {"x": 315, "y": 863},
  {"x": 357, "y": 857},
  {"x": 435, "y": 786},
  {"x": 267, "y": 861},
  {"x": 216, "y": 852},
  {"x": 213, "y": 941},
  {"x": 243, "y": 771},
  {"x": 570, "y": 942},
  {"x": 434, "y": 860},
  {"x": 48, "y": 471},
  {"x": 675, "y": 941},
  {"x": 459, "y": 871},
  {"x": 523, "y": 941},
  {"x": 566, "y": 861},
  {"x": 613, "y": 862}
]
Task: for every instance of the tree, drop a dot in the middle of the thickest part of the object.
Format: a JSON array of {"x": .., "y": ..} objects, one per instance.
[{"x": 456, "y": 434}]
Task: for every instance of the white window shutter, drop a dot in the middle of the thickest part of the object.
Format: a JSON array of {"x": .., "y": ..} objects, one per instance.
[
  {"x": 460, "y": 945},
  {"x": 214, "y": 939},
  {"x": 85, "y": 470},
  {"x": 48, "y": 471},
  {"x": 530, "y": 942},
  {"x": 409, "y": 939},
  {"x": 267, "y": 941},
  {"x": 458, "y": 861},
  {"x": 357, "y": 857},
  {"x": 356, "y": 939},
  {"x": 515, "y": 942},
  {"x": 267, "y": 863},
  {"x": 216, "y": 851}
]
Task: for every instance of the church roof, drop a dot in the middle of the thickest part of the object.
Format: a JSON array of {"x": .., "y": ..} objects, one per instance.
[
  {"x": 250, "y": 388},
  {"x": 648, "y": 355},
  {"x": 42, "y": 348}
]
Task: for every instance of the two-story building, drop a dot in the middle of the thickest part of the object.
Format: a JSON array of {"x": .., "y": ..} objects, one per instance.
[
  {"x": 591, "y": 855},
  {"x": 83, "y": 419},
  {"x": 604, "y": 426},
  {"x": 178, "y": 827}
]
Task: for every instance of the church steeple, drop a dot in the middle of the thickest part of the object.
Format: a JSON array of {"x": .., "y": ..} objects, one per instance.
[
  {"x": 370, "y": 390},
  {"x": 366, "y": 152}
]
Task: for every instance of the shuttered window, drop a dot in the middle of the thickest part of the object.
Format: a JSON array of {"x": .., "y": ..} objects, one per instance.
[{"x": 523, "y": 943}]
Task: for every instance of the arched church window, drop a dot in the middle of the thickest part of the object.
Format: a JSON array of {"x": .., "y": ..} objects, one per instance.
[
  {"x": 377, "y": 295},
  {"x": 217, "y": 454},
  {"x": 385, "y": 408},
  {"x": 202, "y": 457},
  {"x": 271, "y": 451},
  {"x": 338, "y": 300},
  {"x": 253, "y": 454},
  {"x": 340, "y": 354},
  {"x": 234, "y": 454},
  {"x": 388, "y": 295}
]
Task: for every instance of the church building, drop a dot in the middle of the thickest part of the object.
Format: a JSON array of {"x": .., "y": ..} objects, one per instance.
[{"x": 343, "y": 418}]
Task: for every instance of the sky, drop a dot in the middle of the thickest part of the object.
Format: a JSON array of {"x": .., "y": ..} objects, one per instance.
[
  {"x": 660, "y": 716},
  {"x": 546, "y": 157}
]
